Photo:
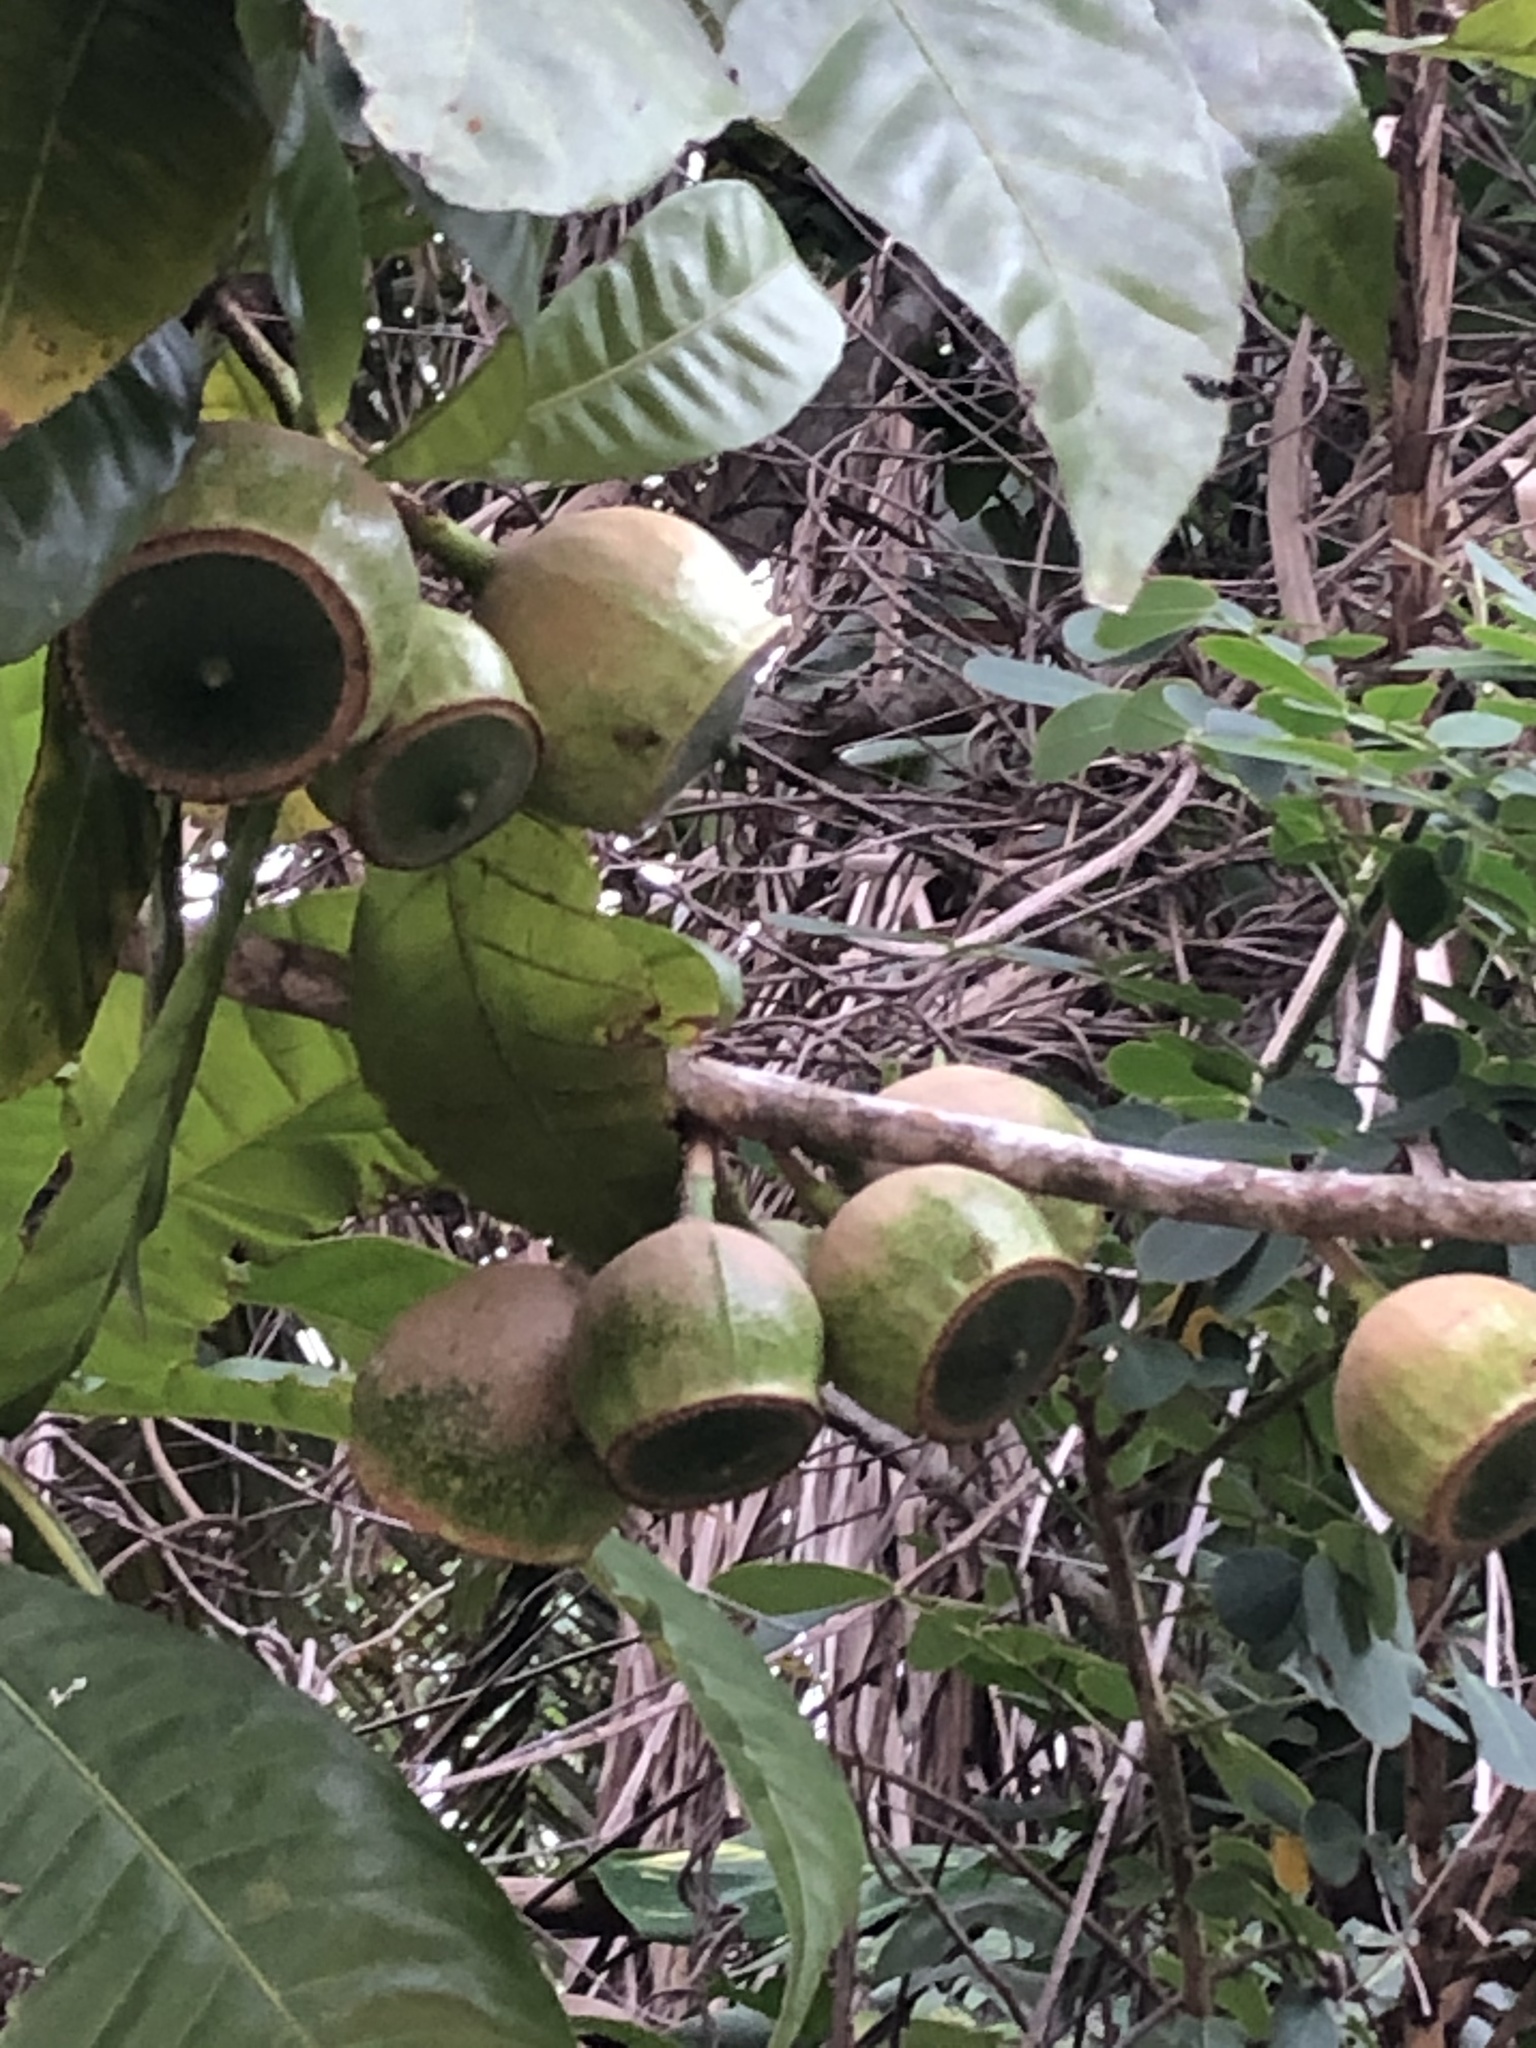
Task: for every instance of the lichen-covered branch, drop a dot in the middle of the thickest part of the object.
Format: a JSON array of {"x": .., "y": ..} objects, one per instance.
[{"x": 834, "y": 1124}]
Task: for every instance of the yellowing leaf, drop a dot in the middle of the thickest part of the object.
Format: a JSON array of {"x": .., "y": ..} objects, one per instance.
[{"x": 1288, "y": 1860}]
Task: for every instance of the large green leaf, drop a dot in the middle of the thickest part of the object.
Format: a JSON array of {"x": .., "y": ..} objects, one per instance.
[
  {"x": 552, "y": 105},
  {"x": 1315, "y": 203},
  {"x": 130, "y": 137},
  {"x": 77, "y": 489},
  {"x": 81, "y": 866},
  {"x": 195, "y": 1853},
  {"x": 52, "y": 1306},
  {"x": 705, "y": 332},
  {"x": 268, "y": 1393},
  {"x": 315, "y": 245},
  {"x": 31, "y": 1143},
  {"x": 21, "y": 729},
  {"x": 280, "y": 1142},
  {"x": 519, "y": 1037},
  {"x": 352, "y": 1288},
  {"x": 792, "y": 1791},
  {"x": 1055, "y": 165}
]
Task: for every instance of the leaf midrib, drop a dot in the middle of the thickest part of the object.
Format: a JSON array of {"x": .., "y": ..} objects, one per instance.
[{"x": 153, "y": 1854}]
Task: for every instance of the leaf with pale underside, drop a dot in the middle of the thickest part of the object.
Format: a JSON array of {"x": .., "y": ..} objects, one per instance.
[
  {"x": 1315, "y": 204},
  {"x": 1056, "y": 167},
  {"x": 555, "y": 106}
]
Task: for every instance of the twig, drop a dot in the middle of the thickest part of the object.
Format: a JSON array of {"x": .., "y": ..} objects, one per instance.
[{"x": 1164, "y": 1766}]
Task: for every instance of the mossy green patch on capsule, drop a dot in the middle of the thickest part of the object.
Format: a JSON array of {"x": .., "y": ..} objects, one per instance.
[
  {"x": 462, "y": 1422},
  {"x": 638, "y": 639},
  {"x": 947, "y": 1299},
  {"x": 1435, "y": 1407},
  {"x": 960, "y": 1089},
  {"x": 698, "y": 1358}
]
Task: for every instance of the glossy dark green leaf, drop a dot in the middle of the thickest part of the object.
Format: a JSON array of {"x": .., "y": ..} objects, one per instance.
[
  {"x": 792, "y": 1791},
  {"x": 554, "y": 105},
  {"x": 81, "y": 867},
  {"x": 21, "y": 730},
  {"x": 1418, "y": 895},
  {"x": 130, "y": 138},
  {"x": 705, "y": 332},
  {"x": 519, "y": 1037},
  {"x": 197, "y": 1853},
  {"x": 1424, "y": 1061},
  {"x": 1474, "y": 1146},
  {"x": 52, "y": 1306},
  {"x": 1257, "y": 1593},
  {"x": 315, "y": 245},
  {"x": 77, "y": 489}
]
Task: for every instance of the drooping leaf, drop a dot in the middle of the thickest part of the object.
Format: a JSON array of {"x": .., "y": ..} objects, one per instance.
[
  {"x": 352, "y": 1288},
  {"x": 519, "y": 1037},
  {"x": 705, "y": 332},
  {"x": 195, "y": 1852},
  {"x": 979, "y": 132},
  {"x": 1261, "y": 1788},
  {"x": 509, "y": 251},
  {"x": 556, "y": 106},
  {"x": 792, "y": 1791},
  {"x": 130, "y": 138},
  {"x": 1503, "y": 1730},
  {"x": 31, "y": 1143},
  {"x": 1423, "y": 903},
  {"x": 1375, "y": 1686},
  {"x": 77, "y": 489},
  {"x": 315, "y": 244},
  {"x": 52, "y": 1306},
  {"x": 270, "y": 1393},
  {"x": 21, "y": 730},
  {"x": 1315, "y": 203},
  {"x": 280, "y": 1142},
  {"x": 81, "y": 866},
  {"x": 771, "y": 1587}
]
